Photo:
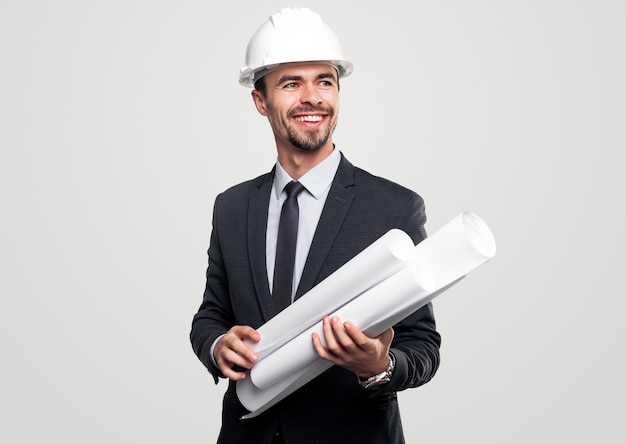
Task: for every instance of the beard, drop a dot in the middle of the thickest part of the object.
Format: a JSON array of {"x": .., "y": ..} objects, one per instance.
[
  {"x": 305, "y": 140},
  {"x": 311, "y": 140}
]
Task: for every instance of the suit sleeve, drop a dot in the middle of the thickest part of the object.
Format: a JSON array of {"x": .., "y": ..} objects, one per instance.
[{"x": 214, "y": 317}]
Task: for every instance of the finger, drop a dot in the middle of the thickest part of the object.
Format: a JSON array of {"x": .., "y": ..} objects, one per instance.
[
  {"x": 233, "y": 365},
  {"x": 342, "y": 336},
  {"x": 319, "y": 347},
  {"x": 358, "y": 337},
  {"x": 232, "y": 358},
  {"x": 329, "y": 335},
  {"x": 245, "y": 353},
  {"x": 386, "y": 337},
  {"x": 233, "y": 340},
  {"x": 233, "y": 374},
  {"x": 247, "y": 332}
]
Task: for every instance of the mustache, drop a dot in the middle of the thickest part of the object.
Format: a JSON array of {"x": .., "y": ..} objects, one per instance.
[{"x": 310, "y": 109}]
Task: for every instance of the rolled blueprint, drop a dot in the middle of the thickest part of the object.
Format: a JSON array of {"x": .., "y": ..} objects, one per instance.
[
  {"x": 384, "y": 257},
  {"x": 388, "y": 302},
  {"x": 438, "y": 262}
]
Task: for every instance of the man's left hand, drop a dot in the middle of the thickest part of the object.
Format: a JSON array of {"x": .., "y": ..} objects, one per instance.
[{"x": 350, "y": 348}]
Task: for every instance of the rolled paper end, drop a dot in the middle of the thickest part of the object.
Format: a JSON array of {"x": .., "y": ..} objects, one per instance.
[
  {"x": 424, "y": 278},
  {"x": 479, "y": 234},
  {"x": 400, "y": 245},
  {"x": 457, "y": 248}
]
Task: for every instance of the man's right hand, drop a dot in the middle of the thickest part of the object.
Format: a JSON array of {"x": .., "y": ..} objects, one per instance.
[{"x": 230, "y": 351}]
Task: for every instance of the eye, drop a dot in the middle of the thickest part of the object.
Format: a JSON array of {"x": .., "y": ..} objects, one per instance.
[
  {"x": 290, "y": 85},
  {"x": 327, "y": 83}
]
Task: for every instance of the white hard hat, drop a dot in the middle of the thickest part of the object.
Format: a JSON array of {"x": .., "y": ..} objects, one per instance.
[{"x": 292, "y": 35}]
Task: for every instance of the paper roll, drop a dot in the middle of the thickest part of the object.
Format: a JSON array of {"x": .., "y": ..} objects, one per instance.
[
  {"x": 390, "y": 301},
  {"x": 371, "y": 299},
  {"x": 391, "y": 252}
]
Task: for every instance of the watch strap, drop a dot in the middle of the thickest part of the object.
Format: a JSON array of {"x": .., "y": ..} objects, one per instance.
[{"x": 381, "y": 378}]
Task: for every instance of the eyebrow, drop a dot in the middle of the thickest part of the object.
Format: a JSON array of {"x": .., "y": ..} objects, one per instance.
[{"x": 289, "y": 78}]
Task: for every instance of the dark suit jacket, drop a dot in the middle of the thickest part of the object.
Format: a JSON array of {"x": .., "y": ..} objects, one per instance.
[{"x": 333, "y": 408}]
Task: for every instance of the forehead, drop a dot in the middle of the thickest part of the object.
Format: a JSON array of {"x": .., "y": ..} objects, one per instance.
[{"x": 302, "y": 70}]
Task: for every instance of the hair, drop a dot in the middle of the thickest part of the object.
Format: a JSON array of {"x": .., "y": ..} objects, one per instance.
[{"x": 261, "y": 86}]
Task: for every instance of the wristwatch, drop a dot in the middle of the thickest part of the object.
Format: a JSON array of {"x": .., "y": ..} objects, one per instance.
[{"x": 379, "y": 379}]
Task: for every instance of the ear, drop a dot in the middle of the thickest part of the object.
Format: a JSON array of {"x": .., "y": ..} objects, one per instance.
[{"x": 259, "y": 102}]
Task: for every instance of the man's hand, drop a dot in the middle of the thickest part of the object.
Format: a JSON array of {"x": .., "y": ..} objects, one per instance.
[
  {"x": 230, "y": 351},
  {"x": 350, "y": 348}
]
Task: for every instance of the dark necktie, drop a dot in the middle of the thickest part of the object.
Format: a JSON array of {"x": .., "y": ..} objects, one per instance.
[{"x": 286, "y": 247}]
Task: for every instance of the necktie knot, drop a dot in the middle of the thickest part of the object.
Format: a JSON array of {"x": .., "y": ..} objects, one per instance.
[{"x": 293, "y": 189}]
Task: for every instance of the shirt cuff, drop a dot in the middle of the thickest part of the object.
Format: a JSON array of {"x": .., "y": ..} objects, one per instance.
[{"x": 213, "y": 348}]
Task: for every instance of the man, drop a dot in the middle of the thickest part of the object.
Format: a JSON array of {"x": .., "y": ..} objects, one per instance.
[{"x": 294, "y": 62}]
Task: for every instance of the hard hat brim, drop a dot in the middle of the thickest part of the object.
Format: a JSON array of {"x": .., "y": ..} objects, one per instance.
[{"x": 248, "y": 76}]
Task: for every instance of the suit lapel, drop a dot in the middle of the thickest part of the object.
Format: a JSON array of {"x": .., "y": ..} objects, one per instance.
[
  {"x": 257, "y": 227},
  {"x": 335, "y": 209}
]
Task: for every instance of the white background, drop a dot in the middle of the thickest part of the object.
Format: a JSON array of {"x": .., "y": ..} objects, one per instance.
[{"x": 120, "y": 121}]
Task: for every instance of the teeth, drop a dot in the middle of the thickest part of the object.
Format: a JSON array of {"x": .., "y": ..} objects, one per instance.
[{"x": 309, "y": 118}]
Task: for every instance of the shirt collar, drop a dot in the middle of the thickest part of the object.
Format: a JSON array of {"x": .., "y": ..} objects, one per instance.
[{"x": 316, "y": 180}]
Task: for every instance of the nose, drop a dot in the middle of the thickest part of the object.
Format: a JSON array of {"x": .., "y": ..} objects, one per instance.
[{"x": 310, "y": 95}]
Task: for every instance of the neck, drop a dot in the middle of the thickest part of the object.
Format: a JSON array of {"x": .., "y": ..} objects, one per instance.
[{"x": 297, "y": 162}]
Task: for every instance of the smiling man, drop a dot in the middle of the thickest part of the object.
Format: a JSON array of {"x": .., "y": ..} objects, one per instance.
[{"x": 277, "y": 236}]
